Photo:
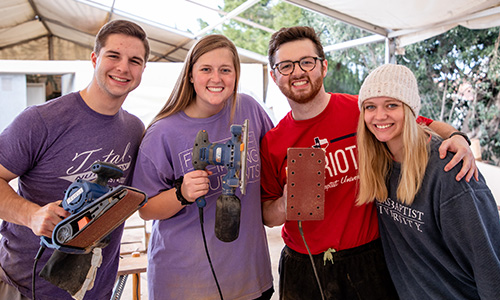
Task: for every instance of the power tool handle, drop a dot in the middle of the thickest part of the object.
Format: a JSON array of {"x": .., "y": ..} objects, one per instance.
[
  {"x": 105, "y": 171},
  {"x": 200, "y": 158},
  {"x": 201, "y": 154}
]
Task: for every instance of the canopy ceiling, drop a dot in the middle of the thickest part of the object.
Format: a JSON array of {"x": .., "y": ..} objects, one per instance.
[{"x": 65, "y": 29}]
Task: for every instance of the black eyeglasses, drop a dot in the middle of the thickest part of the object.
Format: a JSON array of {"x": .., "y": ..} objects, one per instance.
[{"x": 287, "y": 67}]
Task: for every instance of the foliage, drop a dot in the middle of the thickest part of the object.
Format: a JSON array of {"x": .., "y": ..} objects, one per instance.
[
  {"x": 346, "y": 67},
  {"x": 459, "y": 82},
  {"x": 267, "y": 13},
  {"x": 458, "y": 71}
]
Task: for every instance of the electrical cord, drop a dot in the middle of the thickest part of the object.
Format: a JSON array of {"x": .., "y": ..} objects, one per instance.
[
  {"x": 200, "y": 210},
  {"x": 37, "y": 257},
  {"x": 312, "y": 261},
  {"x": 137, "y": 286}
]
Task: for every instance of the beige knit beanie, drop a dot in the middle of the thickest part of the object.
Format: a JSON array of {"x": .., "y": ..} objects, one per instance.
[{"x": 394, "y": 81}]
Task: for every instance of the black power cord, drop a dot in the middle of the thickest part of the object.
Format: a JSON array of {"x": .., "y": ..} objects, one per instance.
[
  {"x": 200, "y": 210},
  {"x": 33, "y": 277},
  {"x": 312, "y": 261},
  {"x": 137, "y": 287}
]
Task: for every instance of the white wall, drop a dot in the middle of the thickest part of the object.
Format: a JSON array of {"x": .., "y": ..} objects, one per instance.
[
  {"x": 35, "y": 93},
  {"x": 491, "y": 174},
  {"x": 12, "y": 97}
]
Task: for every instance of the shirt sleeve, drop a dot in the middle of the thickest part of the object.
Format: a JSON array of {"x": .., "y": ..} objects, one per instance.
[
  {"x": 153, "y": 172},
  {"x": 271, "y": 189},
  {"x": 22, "y": 142},
  {"x": 471, "y": 228},
  {"x": 424, "y": 120}
]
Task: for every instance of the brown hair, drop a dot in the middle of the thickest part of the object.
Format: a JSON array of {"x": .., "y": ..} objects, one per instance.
[
  {"x": 121, "y": 27},
  {"x": 183, "y": 93},
  {"x": 290, "y": 34}
]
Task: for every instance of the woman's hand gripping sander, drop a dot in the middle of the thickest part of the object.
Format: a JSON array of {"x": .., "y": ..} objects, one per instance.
[{"x": 232, "y": 155}]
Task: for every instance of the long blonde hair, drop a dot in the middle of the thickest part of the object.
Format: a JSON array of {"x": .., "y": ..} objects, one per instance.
[
  {"x": 183, "y": 93},
  {"x": 375, "y": 161}
]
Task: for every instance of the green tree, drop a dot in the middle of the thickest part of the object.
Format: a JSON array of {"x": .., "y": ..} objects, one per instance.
[
  {"x": 346, "y": 68},
  {"x": 267, "y": 13},
  {"x": 459, "y": 79},
  {"x": 458, "y": 71}
]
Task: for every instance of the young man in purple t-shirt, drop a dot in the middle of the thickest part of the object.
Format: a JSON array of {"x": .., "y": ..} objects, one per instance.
[{"x": 51, "y": 145}]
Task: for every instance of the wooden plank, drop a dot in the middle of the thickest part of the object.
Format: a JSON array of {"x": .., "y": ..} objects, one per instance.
[{"x": 131, "y": 265}]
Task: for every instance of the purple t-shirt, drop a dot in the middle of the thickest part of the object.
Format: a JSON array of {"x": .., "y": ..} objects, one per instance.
[
  {"x": 177, "y": 264},
  {"x": 50, "y": 146}
]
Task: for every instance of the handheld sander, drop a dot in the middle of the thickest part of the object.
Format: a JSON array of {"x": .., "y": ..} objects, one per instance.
[
  {"x": 233, "y": 156},
  {"x": 96, "y": 210}
]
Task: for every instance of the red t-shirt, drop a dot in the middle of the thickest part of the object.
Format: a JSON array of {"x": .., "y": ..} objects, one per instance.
[{"x": 345, "y": 225}]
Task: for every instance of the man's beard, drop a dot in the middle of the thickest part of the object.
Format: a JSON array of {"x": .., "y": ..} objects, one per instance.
[{"x": 303, "y": 97}]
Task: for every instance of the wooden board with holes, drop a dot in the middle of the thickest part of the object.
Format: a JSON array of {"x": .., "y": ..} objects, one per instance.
[{"x": 305, "y": 184}]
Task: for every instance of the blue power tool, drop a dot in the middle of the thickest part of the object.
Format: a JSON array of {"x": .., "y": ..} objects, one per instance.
[
  {"x": 96, "y": 210},
  {"x": 233, "y": 156}
]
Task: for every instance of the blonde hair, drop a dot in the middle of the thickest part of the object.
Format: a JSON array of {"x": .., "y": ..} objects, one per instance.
[
  {"x": 375, "y": 161},
  {"x": 183, "y": 93}
]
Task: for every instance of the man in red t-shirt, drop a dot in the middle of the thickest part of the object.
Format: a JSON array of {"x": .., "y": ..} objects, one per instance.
[{"x": 345, "y": 246}]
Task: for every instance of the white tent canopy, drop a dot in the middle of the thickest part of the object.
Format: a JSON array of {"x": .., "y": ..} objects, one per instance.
[
  {"x": 409, "y": 21},
  {"x": 65, "y": 29}
]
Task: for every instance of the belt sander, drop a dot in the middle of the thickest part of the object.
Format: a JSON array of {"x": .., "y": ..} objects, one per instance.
[{"x": 96, "y": 210}]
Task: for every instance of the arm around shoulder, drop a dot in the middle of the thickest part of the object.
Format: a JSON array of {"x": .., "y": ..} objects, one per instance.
[
  {"x": 442, "y": 128},
  {"x": 459, "y": 144}
]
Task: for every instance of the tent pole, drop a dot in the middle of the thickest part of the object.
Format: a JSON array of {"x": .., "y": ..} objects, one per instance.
[{"x": 390, "y": 51}]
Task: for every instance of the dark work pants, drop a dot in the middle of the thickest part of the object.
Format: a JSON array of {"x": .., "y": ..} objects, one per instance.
[{"x": 357, "y": 273}]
